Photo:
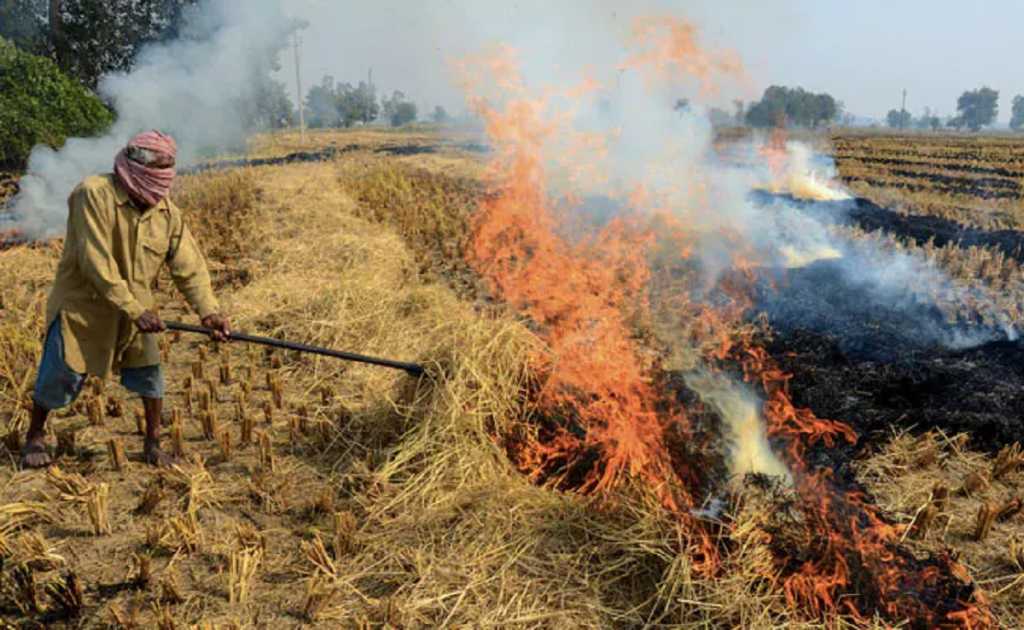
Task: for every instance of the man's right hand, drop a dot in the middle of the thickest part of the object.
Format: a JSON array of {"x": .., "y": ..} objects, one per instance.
[{"x": 150, "y": 322}]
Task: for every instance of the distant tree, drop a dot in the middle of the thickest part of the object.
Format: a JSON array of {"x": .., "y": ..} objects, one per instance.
[
  {"x": 321, "y": 107},
  {"x": 794, "y": 106},
  {"x": 367, "y": 108},
  {"x": 333, "y": 104},
  {"x": 268, "y": 107},
  {"x": 404, "y": 113},
  {"x": 440, "y": 115},
  {"x": 978, "y": 108},
  {"x": 357, "y": 104},
  {"x": 955, "y": 122},
  {"x": 823, "y": 109},
  {"x": 1017, "y": 113},
  {"x": 928, "y": 120},
  {"x": 898, "y": 119},
  {"x": 397, "y": 110},
  {"x": 771, "y": 108},
  {"x": 720, "y": 117},
  {"x": 90, "y": 38}
]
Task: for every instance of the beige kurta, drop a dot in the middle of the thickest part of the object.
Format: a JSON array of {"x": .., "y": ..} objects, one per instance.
[{"x": 112, "y": 255}]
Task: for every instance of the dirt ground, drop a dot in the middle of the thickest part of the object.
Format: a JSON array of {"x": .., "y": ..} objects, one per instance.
[
  {"x": 225, "y": 501},
  {"x": 363, "y": 498}
]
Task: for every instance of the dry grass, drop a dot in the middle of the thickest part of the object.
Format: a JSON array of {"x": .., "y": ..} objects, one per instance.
[
  {"x": 219, "y": 208},
  {"x": 984, "y": 271},
  {"x": 26, "y": 274},
  {"x": 976, "y": 180},
  {"x": 974, "y": 504},
  {"x": 366, "y": 498}
]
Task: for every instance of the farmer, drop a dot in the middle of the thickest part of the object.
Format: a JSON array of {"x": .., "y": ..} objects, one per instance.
[{"x": 100, "y": 315}]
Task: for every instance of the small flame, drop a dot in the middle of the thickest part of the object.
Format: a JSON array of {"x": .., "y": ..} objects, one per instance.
[
  {"x": 795, "y": 257},
  {"x": 791, "y": 171}
]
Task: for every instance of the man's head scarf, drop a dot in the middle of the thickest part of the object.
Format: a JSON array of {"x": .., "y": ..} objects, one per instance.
[{"x": 145, "y": 167}]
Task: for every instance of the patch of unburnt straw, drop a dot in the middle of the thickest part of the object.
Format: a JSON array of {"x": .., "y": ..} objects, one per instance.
[{"x": 221, "y": 209}]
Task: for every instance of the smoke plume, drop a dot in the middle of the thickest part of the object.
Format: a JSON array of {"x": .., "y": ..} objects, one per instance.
[
  {"x": 627, "y": 145},
  {"x": 194, "y": 88}
]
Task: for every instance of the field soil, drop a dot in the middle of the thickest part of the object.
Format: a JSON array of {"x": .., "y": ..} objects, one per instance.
[
  {"x": 272, "y": 506},
  {"x": 366, "y": 498},
  {"x": 975, "y": 180}
]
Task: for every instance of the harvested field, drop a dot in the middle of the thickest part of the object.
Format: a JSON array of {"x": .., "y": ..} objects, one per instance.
[
  {"x": 320, "y": 493},
  {"x": 976, "y": 181},
  {"x": 610, "y": 342}
]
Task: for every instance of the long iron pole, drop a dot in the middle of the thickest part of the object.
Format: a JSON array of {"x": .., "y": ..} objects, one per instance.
[{"x": 411, "y": 368}]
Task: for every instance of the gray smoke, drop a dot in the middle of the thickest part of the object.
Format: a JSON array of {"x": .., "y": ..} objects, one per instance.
[
  {"x": 194, "y": 88},
  {"x": 844, "y": 283}
]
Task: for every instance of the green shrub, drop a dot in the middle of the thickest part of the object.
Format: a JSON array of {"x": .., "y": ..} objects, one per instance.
[{"x": 41, "y": 105}]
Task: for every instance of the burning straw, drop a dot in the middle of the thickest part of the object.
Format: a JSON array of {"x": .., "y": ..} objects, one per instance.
[{"x": 605, "y": 421}]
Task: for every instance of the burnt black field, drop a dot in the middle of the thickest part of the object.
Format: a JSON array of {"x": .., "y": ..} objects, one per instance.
[{"x": 883, "y": 366}]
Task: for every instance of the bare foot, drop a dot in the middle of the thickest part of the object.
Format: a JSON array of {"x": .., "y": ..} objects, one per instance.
[
  {"x": 155, "y": 456},
  {"x": 34, "y": 454}
]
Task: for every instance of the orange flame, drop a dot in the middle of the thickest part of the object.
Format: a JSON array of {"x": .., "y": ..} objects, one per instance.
[
  {"x": 10, "y": 238},
  {"x": 579, "y": 294},
  {"x": 774, "y": 150},
  {"x": 605, "y": 417},
  {"x": 667, "y": 50}
]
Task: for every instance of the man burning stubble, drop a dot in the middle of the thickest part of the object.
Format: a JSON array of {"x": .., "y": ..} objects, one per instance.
[{"x": 101, "y": 318}]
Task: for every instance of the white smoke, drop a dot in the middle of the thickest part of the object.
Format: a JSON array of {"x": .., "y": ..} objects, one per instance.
[
  {"x": 745, "y": 431},
  {"x": 799, "y": 177},
  {"x": 659, "y": 159},
  {"x": 193, "y": 88},
  {"x": 671, "y": 153}
]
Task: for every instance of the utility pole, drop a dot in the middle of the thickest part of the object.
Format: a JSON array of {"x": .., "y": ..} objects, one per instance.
[
  {"x": 903, "y": 109},
  {"x": 298, "y": 90},
  {"x": 370, "y": 107},
  {"x": 56, "y": 26}
]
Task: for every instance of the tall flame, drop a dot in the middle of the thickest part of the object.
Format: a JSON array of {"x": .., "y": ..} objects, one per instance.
[
  {"x": 666, "y": 49},
  {"x": 602, "y": 297},
  {"x": 581, "y": 296}
]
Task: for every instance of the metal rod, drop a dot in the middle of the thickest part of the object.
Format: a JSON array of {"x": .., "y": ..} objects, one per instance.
[{"x": 411, "y": 368}]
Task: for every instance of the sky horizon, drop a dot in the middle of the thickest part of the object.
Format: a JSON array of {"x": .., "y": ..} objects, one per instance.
[{"x": 864, "y": 54}]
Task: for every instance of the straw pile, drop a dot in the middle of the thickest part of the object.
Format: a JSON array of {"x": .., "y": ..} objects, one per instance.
[{"x": 357, "y": 495}]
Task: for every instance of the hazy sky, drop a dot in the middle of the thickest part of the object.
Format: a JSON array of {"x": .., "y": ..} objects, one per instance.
[{"x": 863, "y": 52}]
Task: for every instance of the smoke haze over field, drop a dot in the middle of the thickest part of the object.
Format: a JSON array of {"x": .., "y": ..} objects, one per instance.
[
  {"x": 193, "y": 88},
  {"x": 863, "y": 53}
]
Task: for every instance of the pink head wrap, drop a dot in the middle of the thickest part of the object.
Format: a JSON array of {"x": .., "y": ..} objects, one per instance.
[{"x": 146, "y": 167}]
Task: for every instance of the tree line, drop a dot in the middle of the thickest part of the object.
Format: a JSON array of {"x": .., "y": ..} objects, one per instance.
[
  {"x": 975, "y": 109},
  {"x": 48, "y": 47},
  {"x": 782, "y": 105},
  {"x": 86, "y": 39},
  {"x": 786, "y": 106},
  {"x": 333, "y": 104}
]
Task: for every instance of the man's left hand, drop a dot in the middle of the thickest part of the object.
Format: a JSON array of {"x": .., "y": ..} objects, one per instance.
[{"x": 220, "y": 327}]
